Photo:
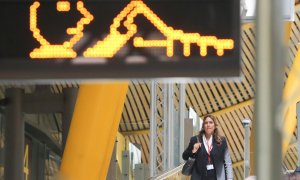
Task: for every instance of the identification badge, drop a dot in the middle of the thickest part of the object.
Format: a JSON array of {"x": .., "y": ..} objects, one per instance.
[{"x": 210, "y": 167}]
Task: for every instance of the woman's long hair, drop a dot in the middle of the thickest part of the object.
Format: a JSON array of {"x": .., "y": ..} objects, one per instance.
[{"x": 216, "y": 134}]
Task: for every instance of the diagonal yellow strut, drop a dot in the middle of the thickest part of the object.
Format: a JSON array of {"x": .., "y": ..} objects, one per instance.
[
  {"x": 291, "y": 96},
  {"x": 93, "y": 131}
]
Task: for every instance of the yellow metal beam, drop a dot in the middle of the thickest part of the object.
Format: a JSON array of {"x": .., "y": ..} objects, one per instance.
[
  {"x": 93, "y": 131},
  {"x": 216, "y": 113},
  {"x": 248, "y": 25},
  {"x": 291, "y": 95},
  {"x": 234, "y": 107},
  {"x": 287, "y": 31},
  {"x": 238, "y": 164},
  {"x": 241, "y": 163},
  {"x": 139, "y": 132}
]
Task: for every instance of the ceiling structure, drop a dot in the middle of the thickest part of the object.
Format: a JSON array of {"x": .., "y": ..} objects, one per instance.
[{"x": 230, "y": 100}]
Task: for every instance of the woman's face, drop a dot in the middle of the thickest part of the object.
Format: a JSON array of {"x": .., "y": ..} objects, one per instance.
[{"x": 209, "y": 126}]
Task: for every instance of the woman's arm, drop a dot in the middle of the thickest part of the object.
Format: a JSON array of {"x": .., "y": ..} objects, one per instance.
[
  {"x": 189, "y": 151},
  {"x": 228, "y": 163}
]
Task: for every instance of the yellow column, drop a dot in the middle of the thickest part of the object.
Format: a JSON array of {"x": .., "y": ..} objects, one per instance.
[
  {"x": 291, "y": 96},
  {"x": 93, "y": 131},
  {"x": 290, "y": 87}
]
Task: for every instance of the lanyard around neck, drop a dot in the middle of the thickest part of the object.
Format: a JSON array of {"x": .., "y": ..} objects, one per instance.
[{"x": 209, "y": 148}]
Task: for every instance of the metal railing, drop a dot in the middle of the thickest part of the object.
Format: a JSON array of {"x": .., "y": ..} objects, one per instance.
[{"x": 168, "y": 174}]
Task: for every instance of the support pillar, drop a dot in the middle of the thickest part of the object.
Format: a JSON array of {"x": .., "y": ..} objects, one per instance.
[
  {"x": 269, "y": 86},
  {"x": 181, "y": 118},
  {"x": 37, "y": 170},
  {"x": 188, "y": 133},
  {"x": 153, "y": 126},
  {"x": 246, "y": 124},
  {"x": 93, "y": 131},
  {"x": 112, "y": 170},
  {"x": 141, "y": 172},
  {"x": 70, "y": 96},
  {"x": 125, "y": 165},
  {"x": 14, "y": 136},
  {"x": 252, "y": 150},
  {"x": 170, "y": 126},
  {"x": 298, "y": 132}
]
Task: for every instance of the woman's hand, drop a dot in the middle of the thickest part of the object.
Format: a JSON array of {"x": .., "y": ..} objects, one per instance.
[{"x": 196, "y": 147}]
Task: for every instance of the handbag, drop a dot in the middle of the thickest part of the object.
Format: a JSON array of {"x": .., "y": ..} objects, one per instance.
[{"x": 187, "y": 168}]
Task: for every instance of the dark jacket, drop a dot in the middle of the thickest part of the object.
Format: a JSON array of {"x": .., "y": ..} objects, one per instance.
[{"x": 220, "y": 159}]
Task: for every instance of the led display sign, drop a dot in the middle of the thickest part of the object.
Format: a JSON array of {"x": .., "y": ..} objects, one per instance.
[{"x": 50, "y": 39}]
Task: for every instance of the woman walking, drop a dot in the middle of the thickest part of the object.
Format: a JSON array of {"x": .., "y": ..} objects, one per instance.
[{"x": 211, "y": 152}]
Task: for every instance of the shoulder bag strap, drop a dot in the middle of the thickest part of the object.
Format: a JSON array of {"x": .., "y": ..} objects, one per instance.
[{"x": 198, "y": 139}]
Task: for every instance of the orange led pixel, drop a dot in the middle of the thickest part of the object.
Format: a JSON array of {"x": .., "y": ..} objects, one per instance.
[
  {"x": 63, "y": 6},
  {"x": 113, "y": 42},
  {"x": 64, "y": 50}
]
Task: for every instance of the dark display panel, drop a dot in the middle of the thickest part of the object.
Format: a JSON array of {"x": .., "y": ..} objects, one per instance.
[{"x": 119, "y": 39}]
